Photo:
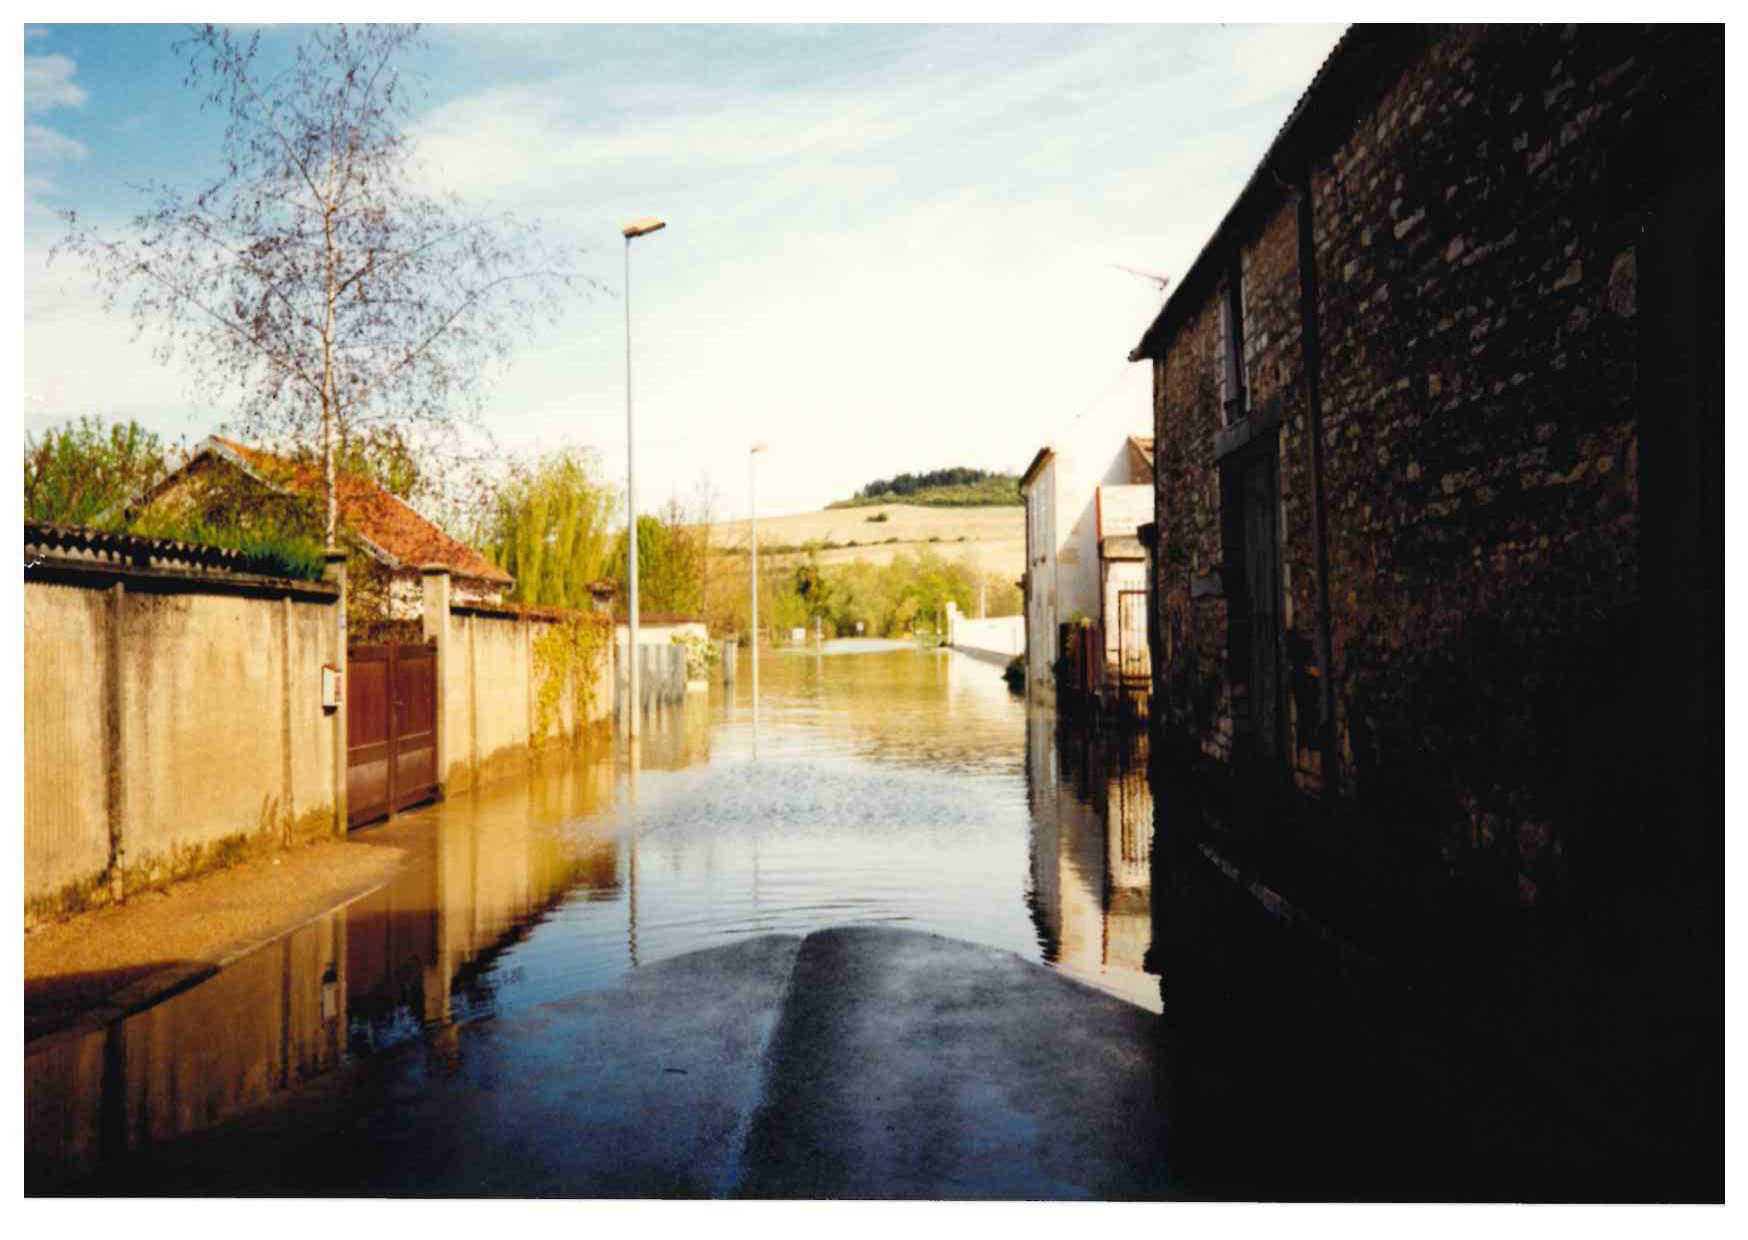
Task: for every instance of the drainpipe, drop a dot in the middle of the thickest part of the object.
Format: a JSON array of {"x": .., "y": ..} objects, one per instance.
[{"x": 1308, "y": 304}]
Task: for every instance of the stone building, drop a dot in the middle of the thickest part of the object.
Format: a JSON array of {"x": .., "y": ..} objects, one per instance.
[{"x": 1438, "y": 496}]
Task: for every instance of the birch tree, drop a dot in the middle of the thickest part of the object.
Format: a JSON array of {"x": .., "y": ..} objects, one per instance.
[{"x": 317, "y": 281}]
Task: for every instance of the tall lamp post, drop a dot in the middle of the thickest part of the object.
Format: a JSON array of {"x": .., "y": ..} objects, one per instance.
[
  {"x": 753, "y": 506},
  {"x": 639, "y": 228}
]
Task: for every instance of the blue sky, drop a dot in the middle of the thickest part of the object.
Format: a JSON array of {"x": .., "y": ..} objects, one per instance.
[{"x": 890, "y": 247}]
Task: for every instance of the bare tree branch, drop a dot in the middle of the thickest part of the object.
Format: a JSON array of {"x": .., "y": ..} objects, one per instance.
[{"x": 315, "y": 284}]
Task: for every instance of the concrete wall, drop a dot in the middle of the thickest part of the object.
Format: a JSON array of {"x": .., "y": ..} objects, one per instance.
[
  {"x": 166, "y": 726},
  {"x": 66, "y": 666},
  {"x": 490, "y": 675},
  {"x": 1001, "y": 637}
]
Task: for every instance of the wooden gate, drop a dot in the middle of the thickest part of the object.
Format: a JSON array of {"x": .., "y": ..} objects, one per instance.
[{"x": 391, "y": 726}]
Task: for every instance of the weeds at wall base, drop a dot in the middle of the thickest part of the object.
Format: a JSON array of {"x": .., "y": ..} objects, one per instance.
[{"x": 160, "y": 871}]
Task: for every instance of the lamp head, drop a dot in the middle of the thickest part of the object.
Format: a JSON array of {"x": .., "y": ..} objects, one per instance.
[
  {"x": 643, "y": 227},
  {"x": 758, "y": 448}
]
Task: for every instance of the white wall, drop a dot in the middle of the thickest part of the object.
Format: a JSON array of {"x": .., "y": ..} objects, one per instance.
[
  {"x": 1041, "y": 573},
  {"x": 1105, "y": 460},
  {"x": 996, "y": 635},
  {"x": 1062, "y": 528}
]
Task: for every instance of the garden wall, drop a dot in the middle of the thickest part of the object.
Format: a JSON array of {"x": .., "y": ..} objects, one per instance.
[{"x": 173, "y": 715}]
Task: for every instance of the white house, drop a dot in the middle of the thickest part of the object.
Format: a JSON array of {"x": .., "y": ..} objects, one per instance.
[{"x": 1085, "y": 497}]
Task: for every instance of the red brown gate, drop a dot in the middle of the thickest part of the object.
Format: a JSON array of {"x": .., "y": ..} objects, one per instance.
[{"x": 391, "y": 726}]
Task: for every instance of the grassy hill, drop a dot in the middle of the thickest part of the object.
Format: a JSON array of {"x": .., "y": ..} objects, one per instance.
[
  {"x": 993, "y": 537},
  {"x": 957, "y": 487}
]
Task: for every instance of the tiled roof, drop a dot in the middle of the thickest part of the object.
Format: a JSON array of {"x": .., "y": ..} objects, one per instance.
[{"x": 379, "y": 517}]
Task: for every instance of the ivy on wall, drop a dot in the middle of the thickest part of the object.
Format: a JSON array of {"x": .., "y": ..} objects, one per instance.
[
  {"x": 700, "y": 654},
  {"x": 568, "y": 659}
]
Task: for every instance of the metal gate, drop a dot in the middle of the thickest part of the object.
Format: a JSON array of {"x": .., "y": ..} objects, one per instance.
[{"x": 391, "y": 727}]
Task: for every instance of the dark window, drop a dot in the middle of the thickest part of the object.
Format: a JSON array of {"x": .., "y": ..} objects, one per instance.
[{"x": 1232, "y": 337}]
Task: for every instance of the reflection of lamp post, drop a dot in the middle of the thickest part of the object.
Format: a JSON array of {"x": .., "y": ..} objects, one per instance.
[
  {"x": 753, "y": 506},
  {"x": 640, "y": 228}
]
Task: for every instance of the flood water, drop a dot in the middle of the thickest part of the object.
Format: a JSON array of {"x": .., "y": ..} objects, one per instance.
[{"x": 891, "y": 786}]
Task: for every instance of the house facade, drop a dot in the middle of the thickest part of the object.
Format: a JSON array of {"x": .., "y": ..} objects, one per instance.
[
  {"x": 1438, "y": 499},
  {"x": 1066, "y": 575},
  {"x": 393, "y": 541}
]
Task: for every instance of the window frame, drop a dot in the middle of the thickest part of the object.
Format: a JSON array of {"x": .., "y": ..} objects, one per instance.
[{"x": 1234, "y": 379}]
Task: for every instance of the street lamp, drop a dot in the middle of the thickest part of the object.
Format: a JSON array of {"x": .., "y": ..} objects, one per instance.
[
  {"x": 753, "y": 505},
  {"x": 639, "y": 228}
]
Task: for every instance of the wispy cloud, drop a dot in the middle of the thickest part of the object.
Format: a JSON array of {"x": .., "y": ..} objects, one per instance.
[
  {"x": 48, "y": 83},
  {"x": 41, "y": 142}
]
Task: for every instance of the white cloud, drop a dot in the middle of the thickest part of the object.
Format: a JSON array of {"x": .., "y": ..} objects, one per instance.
[
  {"x": 48, "y": 83},
  {"x": 41, "y": 142}
]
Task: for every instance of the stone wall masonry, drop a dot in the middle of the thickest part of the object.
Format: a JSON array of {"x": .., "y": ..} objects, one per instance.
[{"x": 1477, "y": 319}]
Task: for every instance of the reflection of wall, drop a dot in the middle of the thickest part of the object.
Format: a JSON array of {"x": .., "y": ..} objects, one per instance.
[
  {"x": 1092, "y": 833},
  {"x": 490, "y": 863},
  {"x": 478, "y": 871},
  {"x": 164, "y": 1072},
  {"x": 676, "y": 735}
]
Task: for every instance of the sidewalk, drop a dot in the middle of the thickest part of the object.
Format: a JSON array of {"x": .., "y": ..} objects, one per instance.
[{"x": 98, "y": 966}]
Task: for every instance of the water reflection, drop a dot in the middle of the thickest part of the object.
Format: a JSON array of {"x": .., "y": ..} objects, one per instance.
[
  {"x": 418, "y": 957},
  {"x": 905, "y": 787},
  {"x": 1092, "y": 848},
  {"x": 273, "y": 1019}
]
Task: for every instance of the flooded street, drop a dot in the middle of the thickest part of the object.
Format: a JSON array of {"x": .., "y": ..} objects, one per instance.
[{"x": 880, "y": 786}]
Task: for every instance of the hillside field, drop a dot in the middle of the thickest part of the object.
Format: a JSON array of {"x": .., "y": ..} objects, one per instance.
[{"x": 994, "y": 539}]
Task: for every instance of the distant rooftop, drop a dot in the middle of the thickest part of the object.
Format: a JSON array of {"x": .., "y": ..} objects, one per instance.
[{"x": 381, "y": 518}]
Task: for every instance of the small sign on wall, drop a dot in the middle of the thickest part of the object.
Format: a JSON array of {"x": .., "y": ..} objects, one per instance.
[{"x": 330, "y": 687}]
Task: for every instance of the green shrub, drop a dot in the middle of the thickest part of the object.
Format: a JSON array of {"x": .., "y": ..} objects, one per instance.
[{"x": 270, "y": 552}]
